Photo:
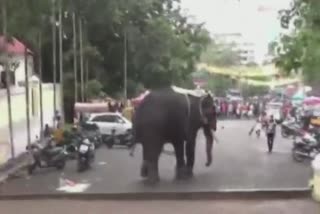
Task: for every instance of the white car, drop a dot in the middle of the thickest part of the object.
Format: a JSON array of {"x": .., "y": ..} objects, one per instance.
[{"x": 110, "y": 121}]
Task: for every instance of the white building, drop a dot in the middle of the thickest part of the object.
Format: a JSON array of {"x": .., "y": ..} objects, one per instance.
[
  {"x": 16, "y": 52},
  {"x": 246, "y": 49}
]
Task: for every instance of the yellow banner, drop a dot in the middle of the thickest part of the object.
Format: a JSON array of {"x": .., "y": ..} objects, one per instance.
[
  {"x": 247, "y": 72},
  {"x": 274, "y": 83}
]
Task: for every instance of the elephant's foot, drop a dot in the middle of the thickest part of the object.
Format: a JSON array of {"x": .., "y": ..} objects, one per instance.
[
  {"x": 150, "y": 172},
  {"x": 144, "y": 170},
  {"x": 181, "y": 173},
  {"x": 189, "y": 172},
  {"x": 184, "y": 173},
  {"x": 152, "y": 180},
  {"x": 153, "y": 177}
]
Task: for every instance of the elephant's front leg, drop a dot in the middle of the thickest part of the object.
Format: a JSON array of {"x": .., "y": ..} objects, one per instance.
[
  {"x": 144, "y": 167},
  {"x": 179, "y": 151},
  {"x": 150, "y": 164},
  {"x": 190, "y": 152}
]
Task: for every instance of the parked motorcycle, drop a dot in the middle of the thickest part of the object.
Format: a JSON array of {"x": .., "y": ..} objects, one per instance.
[
  {"x": 290, "y": 129},
  {"x": 125, "y": 139},
  {"x": 305, "y": 147},
  {"x": 94, "y": 137},
  {"x": 85, "y": 154},
  {"x": 47, "y": 155},
  {"x": 92, "y": 132}
]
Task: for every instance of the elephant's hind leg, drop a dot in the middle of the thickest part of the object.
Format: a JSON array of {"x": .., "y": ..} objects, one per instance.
[
  {"x": 179, "y": 152},
  {"x": 152, "y": 150}
]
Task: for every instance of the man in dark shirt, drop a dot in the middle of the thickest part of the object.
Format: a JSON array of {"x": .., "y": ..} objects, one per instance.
[{"x": 270, "y": 131}]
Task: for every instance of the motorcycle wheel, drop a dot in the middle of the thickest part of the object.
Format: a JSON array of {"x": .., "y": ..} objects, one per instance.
[
  {"x": 82, "y": 166},
  {"x": 61, "y": 164},
  {"x": 296, "y": 156}
]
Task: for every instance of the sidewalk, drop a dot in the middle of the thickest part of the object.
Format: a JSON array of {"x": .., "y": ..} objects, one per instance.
[
  {"x": 304, "y": 206},
  {"x": 20, "y": 136},
  {"x": 9, "y": 166}
]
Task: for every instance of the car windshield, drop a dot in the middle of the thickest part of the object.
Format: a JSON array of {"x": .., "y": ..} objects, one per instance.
[{"x": 106, "y": 118}]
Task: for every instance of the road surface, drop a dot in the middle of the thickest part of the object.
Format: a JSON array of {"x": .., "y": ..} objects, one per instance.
[{"x": 240, "y": 162}]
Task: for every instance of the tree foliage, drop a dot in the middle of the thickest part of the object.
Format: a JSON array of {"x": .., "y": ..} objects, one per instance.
[
  {"x": 163, "y": 44},
  {"x": 221, "y": 54},
  {"x": 300, "y": 48}
]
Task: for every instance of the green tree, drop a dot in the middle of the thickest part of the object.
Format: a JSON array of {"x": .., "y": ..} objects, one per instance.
[
  {"x": 221, "y": 54},
  {"x": 299, "y": 49},
  {"x": 164, "y": 45}
]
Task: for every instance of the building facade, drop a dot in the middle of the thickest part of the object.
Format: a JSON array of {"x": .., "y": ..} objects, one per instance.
[
  {"x": 18, "y": 95},
  {"x": 239, "y": 44}
]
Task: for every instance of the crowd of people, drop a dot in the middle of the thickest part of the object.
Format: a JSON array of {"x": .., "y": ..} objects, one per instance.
[{"x": 239, "y": 109}]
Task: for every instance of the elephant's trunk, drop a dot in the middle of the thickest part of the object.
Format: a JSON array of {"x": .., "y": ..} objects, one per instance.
[{"x": 209, "y": 143}]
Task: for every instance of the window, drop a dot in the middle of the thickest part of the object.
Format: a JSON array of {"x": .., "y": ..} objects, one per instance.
[{"x": 106, "y": 118}]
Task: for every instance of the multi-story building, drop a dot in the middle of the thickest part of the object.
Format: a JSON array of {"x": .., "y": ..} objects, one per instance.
[{"x": 238, "y": 43}]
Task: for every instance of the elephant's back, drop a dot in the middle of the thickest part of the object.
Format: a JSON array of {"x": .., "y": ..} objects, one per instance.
[{"x": 161, "y": 110}]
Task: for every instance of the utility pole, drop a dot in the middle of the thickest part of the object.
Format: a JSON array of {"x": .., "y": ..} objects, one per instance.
[
  {"x": 125, "y": 65},
  {"x": 75, "y": 61},
  {"x": 54, "y": 55},
  {"x": 27, "y": 93},
  {"x": 61, "y": 61},
  {"x": 40, "y": 83},
  {"x": 6, "y": 69},
  {"x": 87, "y": 74},
  {"x": 81, "y": 60}
]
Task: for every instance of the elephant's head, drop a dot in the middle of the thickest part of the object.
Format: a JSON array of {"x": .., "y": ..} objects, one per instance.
[{"x": 209, "y": 123}]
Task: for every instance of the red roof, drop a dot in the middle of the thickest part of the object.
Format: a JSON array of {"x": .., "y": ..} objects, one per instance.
[{"x": 14, "y": 47}]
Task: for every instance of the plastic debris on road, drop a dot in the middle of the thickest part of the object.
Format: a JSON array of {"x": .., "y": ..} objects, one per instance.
[
  {"x": 66, "y": 185},
  {"x": 102, "y": 163}
]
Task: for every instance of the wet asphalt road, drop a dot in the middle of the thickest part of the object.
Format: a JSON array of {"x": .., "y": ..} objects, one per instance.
[{"x": 240, "y": 162}]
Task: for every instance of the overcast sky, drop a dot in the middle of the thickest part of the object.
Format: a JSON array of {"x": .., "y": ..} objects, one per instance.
[{"x": 257, "y": 20}]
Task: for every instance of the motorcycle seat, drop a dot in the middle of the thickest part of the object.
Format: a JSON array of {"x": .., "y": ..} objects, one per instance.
[{"x": 54, "y": 151}]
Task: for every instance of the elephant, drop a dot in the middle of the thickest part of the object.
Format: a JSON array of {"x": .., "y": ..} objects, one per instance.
[{"x": 169, "y": 115}]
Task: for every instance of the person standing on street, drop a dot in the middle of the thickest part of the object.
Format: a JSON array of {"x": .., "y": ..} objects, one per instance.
[{"x": 271, "y": 132}]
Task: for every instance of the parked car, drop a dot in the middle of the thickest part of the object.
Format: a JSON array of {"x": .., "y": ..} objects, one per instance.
[{"x": 110, "y": 121}]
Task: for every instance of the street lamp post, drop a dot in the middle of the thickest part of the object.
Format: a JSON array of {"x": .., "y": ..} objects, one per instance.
[
  {"x": 6, "y": 69},
  {"x": 81, "y": 60},
  {"x": 54, "y": 54},
  {"x": 125, "y": 66},
  {"x": 75, "y": 62},
  {"x": 61, "y": 61}
]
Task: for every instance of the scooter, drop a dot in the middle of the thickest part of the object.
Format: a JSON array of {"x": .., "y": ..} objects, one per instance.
[
  {"x": 305, "y": 147},
  {"x": 86, "y": 154},
  {"x": 289, "y": 128},
  {"x": 47, "y": 156},
  {"x": 125, "y": 139}
]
